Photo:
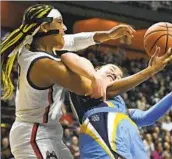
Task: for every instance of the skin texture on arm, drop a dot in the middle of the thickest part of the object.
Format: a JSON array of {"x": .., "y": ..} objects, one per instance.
[
  {"x": 79, "y": 65},
  {"x": 56, "y": 72},
  {"x": 79, "y": 41},
  {"x": 128, "y": 83},
  {"x": 156, "y": 65},
  {"x": 150, "y": 116},
  {"x": 84, "y": 67},
  {"x": 116, "y": 32}
]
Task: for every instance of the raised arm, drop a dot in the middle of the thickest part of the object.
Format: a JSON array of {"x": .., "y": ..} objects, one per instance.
[
  {"x": 125, "y": 84},
  {"x": 84, "y": 67},
  {"x": 75, "y": 42},
  {"x": 150, "y": 116}
]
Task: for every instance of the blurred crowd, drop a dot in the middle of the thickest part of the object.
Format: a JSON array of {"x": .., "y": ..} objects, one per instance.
[
  {"x": 153, "y": 5},
  {"x": 157, "y": 138}
]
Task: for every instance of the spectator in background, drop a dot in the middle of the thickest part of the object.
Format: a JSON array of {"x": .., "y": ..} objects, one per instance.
[
  {"x": 157, "y": 130},
  {"x": 5, "y": 148},
  {"x": 167, "y": 124},
  {"x": 141, "y": 104},
  {"x": 166, "y": 155},
  {"x": 67, "y": 136},
  {"x": 149, "y": 145},
  {"x": 92, "y": 58},
  {"x": 77, "y": 131},
  {"x": 155, "y": 137},
  {"x": 157, "y": 153},
  {"x": 75, "y": 147}
]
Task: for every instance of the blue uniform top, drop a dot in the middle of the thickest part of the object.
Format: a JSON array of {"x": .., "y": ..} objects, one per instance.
[{"x": 81, "y": 104}]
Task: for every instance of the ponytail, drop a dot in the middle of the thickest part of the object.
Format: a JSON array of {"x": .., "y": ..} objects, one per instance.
[{"x": 15, "y": 41}]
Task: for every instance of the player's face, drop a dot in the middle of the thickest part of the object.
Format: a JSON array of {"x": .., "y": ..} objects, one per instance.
[
  {"x": 111, "y": 71},
  {"x": 58, "y": 24},
  {"x": 57, "y": 40}
]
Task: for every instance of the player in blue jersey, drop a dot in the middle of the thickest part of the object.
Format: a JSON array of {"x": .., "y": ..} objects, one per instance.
[{"x": 108, "y": 128}]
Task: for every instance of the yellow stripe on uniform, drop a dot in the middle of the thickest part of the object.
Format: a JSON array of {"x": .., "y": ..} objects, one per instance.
[
  {"x": 87, "y": 128},
  {"x": 119, "y": 117},
  {"x": 110, "y": 104}
]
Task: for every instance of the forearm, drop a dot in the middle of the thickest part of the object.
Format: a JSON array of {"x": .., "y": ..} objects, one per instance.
[
  {"x": 80, "y": 41},
  {"x": 101, "y": 36},
  {"x": 83, "y": 40},
  {"x": 79, "y": 65},
  {"x": 149, "y": 117},
  {"x": 128, "y": 83}
]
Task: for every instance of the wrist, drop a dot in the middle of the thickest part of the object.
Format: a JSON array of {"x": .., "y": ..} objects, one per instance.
[
  {"x": 151, "y": 70},
  {"x": 109, "y": 35}
]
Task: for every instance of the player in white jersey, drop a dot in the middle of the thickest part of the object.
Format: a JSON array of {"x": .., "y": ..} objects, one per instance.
[{"x": 36, "y": 132}]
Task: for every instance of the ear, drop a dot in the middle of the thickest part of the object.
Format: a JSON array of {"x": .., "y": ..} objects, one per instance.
[{"x": 43, "y": 28}]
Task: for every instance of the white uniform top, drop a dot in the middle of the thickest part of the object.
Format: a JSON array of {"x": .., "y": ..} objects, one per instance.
[
  {"x": 33, "y": 104},
  {"x": 36, "y": 105}
]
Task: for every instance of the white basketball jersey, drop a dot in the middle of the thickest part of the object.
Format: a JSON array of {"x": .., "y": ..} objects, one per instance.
[{"x": 33, "y": 104}]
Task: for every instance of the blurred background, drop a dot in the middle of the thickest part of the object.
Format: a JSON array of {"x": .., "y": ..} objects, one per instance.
[{"x": 129, "y": 54}]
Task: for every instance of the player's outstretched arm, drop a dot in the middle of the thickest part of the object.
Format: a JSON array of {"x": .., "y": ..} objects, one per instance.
[
  {"x": 125, "y": 84},
  {"x": 76, "y": 42},
  {"x": 150, "y": 116}
]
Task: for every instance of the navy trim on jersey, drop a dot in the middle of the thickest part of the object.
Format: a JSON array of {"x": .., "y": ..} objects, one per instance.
[
  {"x": 58, "y": 53},
  {"x": 30, "y": 67}
]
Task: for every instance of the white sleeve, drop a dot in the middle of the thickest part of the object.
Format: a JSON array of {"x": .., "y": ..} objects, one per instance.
[{"x": 75, "y": 42}]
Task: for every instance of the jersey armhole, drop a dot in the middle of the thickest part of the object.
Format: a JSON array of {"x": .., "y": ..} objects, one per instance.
[{"x": 28, "y": 73}]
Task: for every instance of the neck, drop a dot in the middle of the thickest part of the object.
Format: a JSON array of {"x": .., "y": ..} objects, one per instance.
[
  {"x": 45, "y": 49},
  {"x": 42, "y": 45}
]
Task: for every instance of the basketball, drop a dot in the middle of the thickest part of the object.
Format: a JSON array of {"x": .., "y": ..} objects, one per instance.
[{"x": 159, "y": 34}]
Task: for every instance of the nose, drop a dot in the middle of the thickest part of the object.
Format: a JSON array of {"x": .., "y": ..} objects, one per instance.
[{"x": 64, "y": 27}]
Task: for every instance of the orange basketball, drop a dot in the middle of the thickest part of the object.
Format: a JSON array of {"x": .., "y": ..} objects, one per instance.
[{"x": 159, "y": 34}]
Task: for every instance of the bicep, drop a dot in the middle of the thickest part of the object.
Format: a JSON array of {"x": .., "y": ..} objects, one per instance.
[{"x": 58, "y": 73}]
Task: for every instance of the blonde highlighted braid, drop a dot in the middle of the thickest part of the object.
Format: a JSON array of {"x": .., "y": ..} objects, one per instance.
[{"x": 15, "y": 41}]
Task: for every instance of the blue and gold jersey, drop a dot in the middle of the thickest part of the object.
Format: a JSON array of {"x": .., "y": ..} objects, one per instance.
[{"x": 81, "y": 104}]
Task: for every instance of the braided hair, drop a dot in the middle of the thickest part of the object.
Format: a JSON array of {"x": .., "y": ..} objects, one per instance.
[{"x": 33, "y": 17}]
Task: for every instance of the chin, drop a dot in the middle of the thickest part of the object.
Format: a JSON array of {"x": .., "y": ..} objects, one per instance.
[{"x": 59, "y": 46}]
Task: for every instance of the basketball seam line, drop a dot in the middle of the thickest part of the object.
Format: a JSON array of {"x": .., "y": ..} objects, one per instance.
[
  {"x": 155, "y": 32},
  {"x": 166, "y": 38},
  {"x": 164, "y": 26},
  {"x": 157, "y": 41}
]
